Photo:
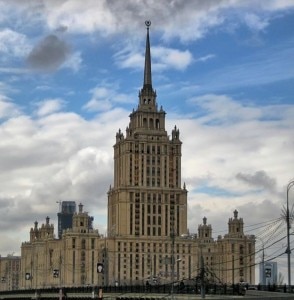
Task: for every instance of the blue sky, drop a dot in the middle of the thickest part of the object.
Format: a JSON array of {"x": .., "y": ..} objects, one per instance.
[{"x": 70, "y": 72}]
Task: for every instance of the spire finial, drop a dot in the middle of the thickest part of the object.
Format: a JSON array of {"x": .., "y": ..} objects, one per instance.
[{"x": 148, "y": 24}]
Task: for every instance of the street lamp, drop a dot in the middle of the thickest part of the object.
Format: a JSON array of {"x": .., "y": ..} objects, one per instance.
[
  {"x": 261, "y": 267},
  {"x": 288, "y": 250}
]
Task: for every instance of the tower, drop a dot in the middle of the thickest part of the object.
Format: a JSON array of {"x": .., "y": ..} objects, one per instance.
[
  {"x": 147, "y": 199},
  {"x": 236, "y": 253},
  {"x": 147, "y": 207}
]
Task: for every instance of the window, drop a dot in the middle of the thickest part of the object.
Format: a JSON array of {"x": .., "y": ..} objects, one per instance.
[
  {"x": 83, "y": 244},
  {"x": 148, "y": 220}
]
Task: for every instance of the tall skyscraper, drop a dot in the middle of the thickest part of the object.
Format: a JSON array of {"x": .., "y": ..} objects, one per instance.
[{"x": 67, "y": 210}]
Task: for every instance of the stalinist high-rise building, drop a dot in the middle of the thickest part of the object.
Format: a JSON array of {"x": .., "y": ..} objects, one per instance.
[
  {"x": 147, "y": 206},
  {"x": 147, "y": 237}
]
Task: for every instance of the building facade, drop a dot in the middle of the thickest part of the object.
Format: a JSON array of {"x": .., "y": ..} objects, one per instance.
[
  {"x": 147, "y": 239},
  {"x": 268, "y": 273},
  {"x": 10, "y": 267},
  {"x": 69, "y": 261},
  {"x": 236, "y": 254}
]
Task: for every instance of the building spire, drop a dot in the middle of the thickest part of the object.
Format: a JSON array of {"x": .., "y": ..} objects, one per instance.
[
  {"x": 147, "y": 69},
  {"x": 147, "y": 96}
]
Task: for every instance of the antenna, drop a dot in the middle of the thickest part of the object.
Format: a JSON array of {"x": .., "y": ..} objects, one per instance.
[{"x": 59, "y": 205}]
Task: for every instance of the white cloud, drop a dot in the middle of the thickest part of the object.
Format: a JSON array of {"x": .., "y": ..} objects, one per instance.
[
  {"x": 49, "y": 106},
  {"x": 79, "y": 17},
  {"x": 255, "y": 22},
  {"x": 61, "y": 156},
  {"x": 74, "y": 61},
  {"x": 162, "y": 58},
  {"x": 190, "y": 19},
  {"x": 7, "y": 108},
  {"x": 171, "y": 58},
  {"x": 104, "y": 97},
  {"x": 13, "y": 44},
  {"x": 206, "y": 57}
]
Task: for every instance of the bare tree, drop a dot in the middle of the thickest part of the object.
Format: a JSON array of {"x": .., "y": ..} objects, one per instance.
[{"x": 280, "y": 279}]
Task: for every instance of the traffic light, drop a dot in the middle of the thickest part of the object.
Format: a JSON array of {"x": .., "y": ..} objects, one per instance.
[
  {"x": 55, "y": 273},
  {"x": 100, "y": 268}
]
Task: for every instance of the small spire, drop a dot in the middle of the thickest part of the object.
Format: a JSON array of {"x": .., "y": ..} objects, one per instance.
[
  {"x": 235, "y": 214},
  {"x": 81, "y": 208}
]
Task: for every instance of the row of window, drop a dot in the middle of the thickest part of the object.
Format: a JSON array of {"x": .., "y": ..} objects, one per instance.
[
  {"x": 83, "y": 243},
  {"x": 152, "y": 247},
  {"x": 155, "y": 198}
]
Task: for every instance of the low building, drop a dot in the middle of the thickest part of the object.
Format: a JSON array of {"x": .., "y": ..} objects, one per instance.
[
  {"x": 69, "y": 261},
  {"x": 73, "y": 260},
  {"x": 268, "y": 273}
]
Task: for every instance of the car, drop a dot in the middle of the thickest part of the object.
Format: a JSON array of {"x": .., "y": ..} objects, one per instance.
[{"x": 252, "y": 287}]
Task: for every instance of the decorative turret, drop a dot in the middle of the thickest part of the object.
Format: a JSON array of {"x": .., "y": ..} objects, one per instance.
[
  {"x": 119, "y": 136},
  {"x": 82, "y": 222},
  {"x": 236, "y": 226},
  {"x": 175, "y": 134},
  {"x": 46, "y": 231},
  {"x": 81, "y": 208},
  {"x": 204, "y": 231}
]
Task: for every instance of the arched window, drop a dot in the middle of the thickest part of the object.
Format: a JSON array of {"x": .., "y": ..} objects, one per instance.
[
  {"x": 157, "y": 123},
  {"x": 151, "y": 123}
]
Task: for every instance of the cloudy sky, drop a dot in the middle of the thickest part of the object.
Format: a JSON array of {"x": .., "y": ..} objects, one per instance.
[{"x": 70, "y": 72}]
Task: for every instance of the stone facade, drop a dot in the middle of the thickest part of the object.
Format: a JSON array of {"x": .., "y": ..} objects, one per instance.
[
  {"x": 69, "y": 261},
  {"x": 10, "y": 272}
]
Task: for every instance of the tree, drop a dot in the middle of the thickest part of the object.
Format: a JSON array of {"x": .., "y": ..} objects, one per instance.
[{"x": 280, "y": 279}]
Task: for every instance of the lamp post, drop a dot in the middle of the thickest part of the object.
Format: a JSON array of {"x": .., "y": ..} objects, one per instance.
[
  {"x": 172, "y": 264},
  {"x": 261, "y": 268},
  {"x": 288, "y": 250}
]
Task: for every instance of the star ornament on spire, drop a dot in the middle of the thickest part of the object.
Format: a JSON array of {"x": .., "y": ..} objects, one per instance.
[{"x": 148, "y": 23}]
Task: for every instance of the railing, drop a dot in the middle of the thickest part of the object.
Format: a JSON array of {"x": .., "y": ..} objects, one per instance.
[{"x": 138, "y": 291}]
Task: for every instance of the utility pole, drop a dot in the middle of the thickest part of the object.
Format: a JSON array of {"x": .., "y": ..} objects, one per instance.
[
  {"x": 60, "y": 274},
  {"x": 288, "y": 250},
  {"x": 172, "y": 263},
  {"x": 202, "y": 276},
  {"x": 263, "y": 273}
]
